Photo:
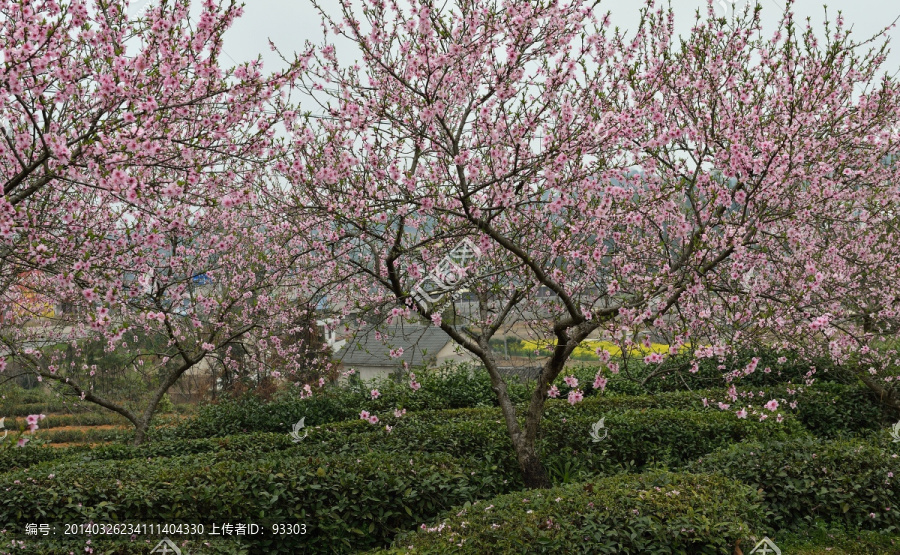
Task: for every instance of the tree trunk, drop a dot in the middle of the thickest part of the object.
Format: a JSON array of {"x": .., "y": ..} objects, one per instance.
[
  {"x": 140, "y": 431},
  {"x": 143, "y": 423},
  {"x": 887, "y": 396},
  {"x": 524, "y": 441},
  {"x": 533, "y": 472}
]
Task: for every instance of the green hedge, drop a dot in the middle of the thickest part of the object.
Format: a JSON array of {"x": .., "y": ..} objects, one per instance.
[
  {"x": 804, "y": 479},
  {"x": 654, "y": 436},
  {"x": 822, "y": 537},
  {"x": 348, "y": 503},
  {"x": 832, "y": 410},
  {"x": 123, "y": 544},
  {"x": 79, "y": 419},
  {"x": 202, "y": 545},
  {"x": 673, "y": 374},
  {"x": 636, "y": 440},
  {"x": 253, "y": 415},
  {"x": 826, "y": 409},
  {"x": 86, "y": 435},
  {"x": 649, "y": 513},
  {"x": 442, "y": 388},
  {"x": 15, "y": 458}
]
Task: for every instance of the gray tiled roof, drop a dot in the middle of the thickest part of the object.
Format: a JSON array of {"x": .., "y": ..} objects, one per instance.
[{"x": 420, "y": 345}]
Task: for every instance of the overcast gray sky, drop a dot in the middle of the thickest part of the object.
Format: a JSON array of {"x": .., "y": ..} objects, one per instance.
[{"x": 290, "y": 22}]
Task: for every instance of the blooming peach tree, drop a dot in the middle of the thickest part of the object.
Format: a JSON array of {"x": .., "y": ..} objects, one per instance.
[
  {"x": 132, "y": 219},
  {"x": 614, "y": 184}
]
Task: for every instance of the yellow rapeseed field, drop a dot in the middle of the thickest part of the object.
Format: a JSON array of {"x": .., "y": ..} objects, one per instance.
[{"x": 588, "y": 348}]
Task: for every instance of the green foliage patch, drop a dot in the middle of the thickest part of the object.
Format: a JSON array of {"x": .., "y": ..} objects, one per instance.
[
  {"x": 848, "y": 482},
  {"x": 351, "y": 503},
  {"x": 656, "y": 512}
]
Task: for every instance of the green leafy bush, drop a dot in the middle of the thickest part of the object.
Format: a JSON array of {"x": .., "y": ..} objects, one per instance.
[
  {"x": 638, "y": 378},
  {"x": 657, "y": 512},
  {"x": 86, "y": 435},
  {"x": 637, "y": 439},
  {"x": 448, "y": 387},
  {"x": 239, "y": 447},
  {"x": 16, "y": 458},
  {"x": 680, "y": 400},
  {"x": 831, "y": 410},
  {"x": 826, "y": 409},
  {"x": 348, "y": 503},
  {"x": 80, "y": 419},
  {"x": 849, "y": 482},
  {"x": 251, "y": 414},
  {"x": 651, "y": 437},
  {"x": 141, "y": 545}
]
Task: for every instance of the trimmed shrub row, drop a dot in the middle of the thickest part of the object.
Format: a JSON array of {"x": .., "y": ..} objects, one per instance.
[
  {"x": 832, "y": 410},
  {"x": 80, "y": 419},
  {"x": 635, "y": 439},
  {"x": 657, "y": 512},
  {"x": 443, "y": 388},
  {"x": 826, "y": 409},
  {"x": 348, "y": 503},
  {"x": 15, "y": 459},
  {"x": 850, "y": 482}
]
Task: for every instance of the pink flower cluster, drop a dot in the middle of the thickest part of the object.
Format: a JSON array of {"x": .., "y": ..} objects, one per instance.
[
  {"x": 370, "y": 418},
  {"x": 575, "y": 396},
  {"x": 653, "y": 358},
  {"x": 32, "y": 420}
]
